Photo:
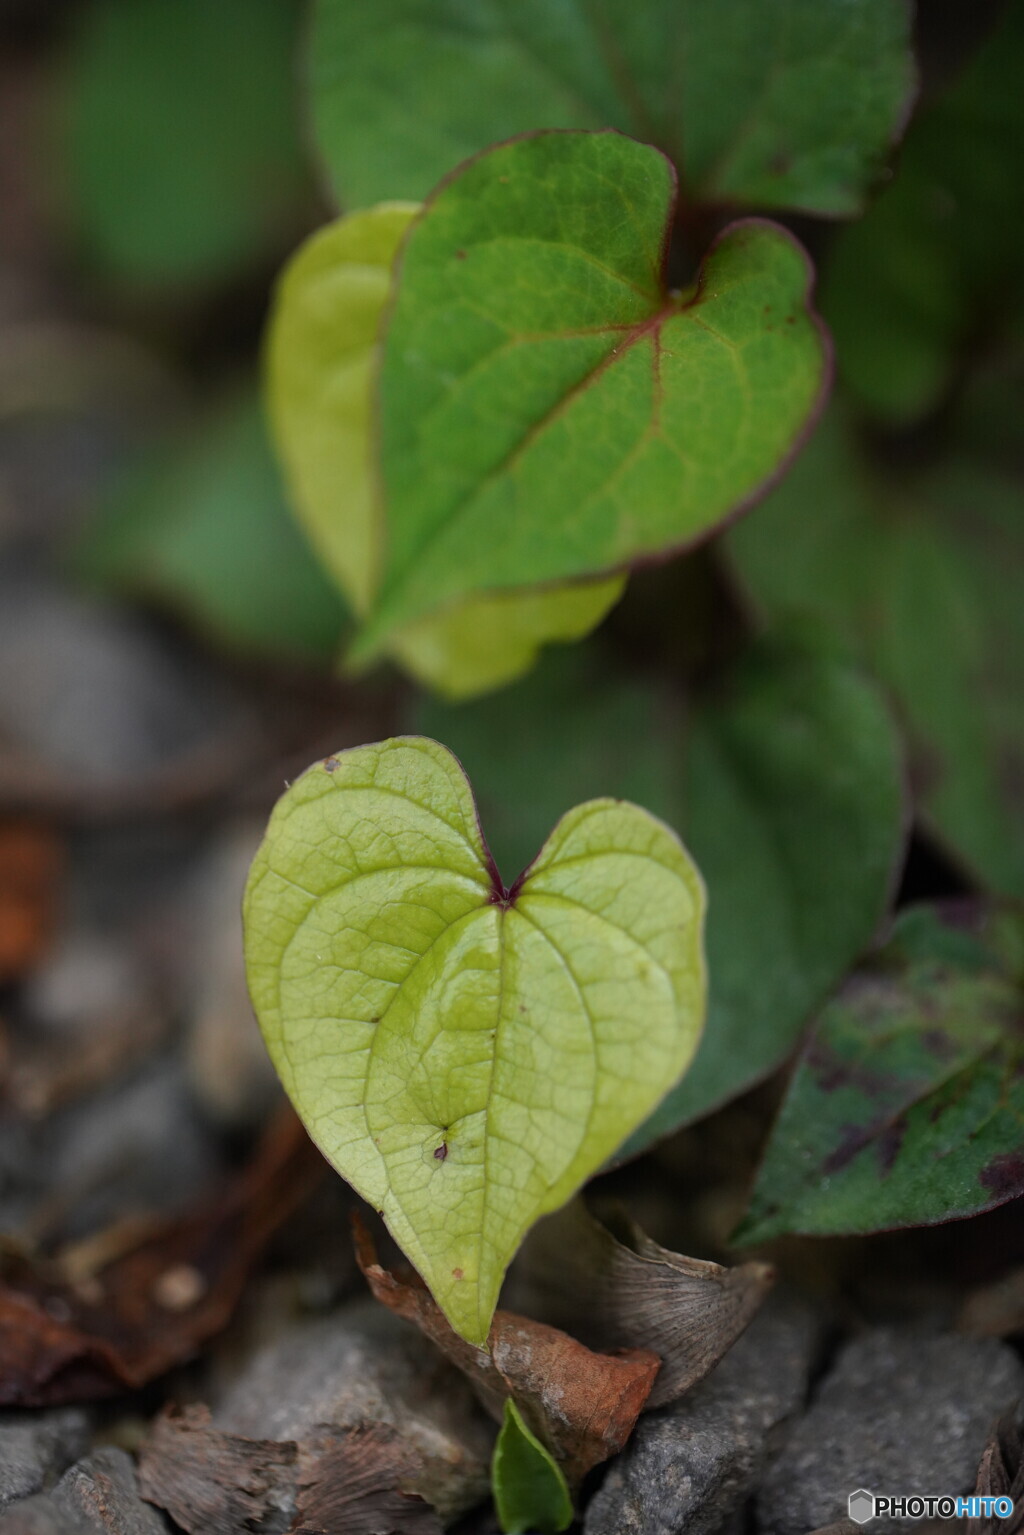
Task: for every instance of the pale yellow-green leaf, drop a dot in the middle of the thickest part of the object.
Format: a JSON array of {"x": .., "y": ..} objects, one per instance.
[
  {"x": 485, "y": 642},
  {"x": 465, "y": 1055},
  {"x": 321, "y": 360},
  {"x": 320, "y": 355}
]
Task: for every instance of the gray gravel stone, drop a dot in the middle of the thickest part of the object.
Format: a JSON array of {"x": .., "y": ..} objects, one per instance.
[
  {"x": 228, "y": 1061},
  {"x": 689, "y": 1466},
  {"x": 98, "y": 1496},
  {"x": 899, "y": 1413},
  {"x": 142, "y": 1146},
  {"x": 102, "y": 1495},
  {"x": 366, "y": 1365},
  {"x": 97, "y": 692},
  {"x": 41, "y": 1515},
  {"x": 35, "y": 1447}
]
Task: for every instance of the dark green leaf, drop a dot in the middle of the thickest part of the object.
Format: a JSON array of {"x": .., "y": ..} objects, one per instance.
[
  {"x": 536, "y": 363},
  {"x": 789, "y": 794},
  {"x": 924, "y": 575},
  {"x": 907, "y": 1106},
  {"x": 181, "y": 141},
  {"x": 794, "y": 812},
  {"x": 775, "y": 103},
  {"x": 530, "y": 1492},
  {"x": 940, "y": 253},
  {"x": 201, "y": 526},
  {"x": 571, "y": 731}
]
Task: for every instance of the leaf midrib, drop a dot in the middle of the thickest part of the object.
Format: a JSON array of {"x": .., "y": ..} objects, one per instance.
[{"x": 379, "y": 624}]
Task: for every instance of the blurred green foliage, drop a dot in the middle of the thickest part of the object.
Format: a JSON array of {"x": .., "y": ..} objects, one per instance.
[
  {"x": 200, "y": 525},
  {"x": 788, "y": 104},
  {"x": 182, "y": 157}
]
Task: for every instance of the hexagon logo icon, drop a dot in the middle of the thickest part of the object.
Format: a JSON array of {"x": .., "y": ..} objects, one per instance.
[{"x": 861, "y": 1505}]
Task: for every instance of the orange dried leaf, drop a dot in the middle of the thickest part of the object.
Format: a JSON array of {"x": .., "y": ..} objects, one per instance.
[{"x": 581, "y": 1405}]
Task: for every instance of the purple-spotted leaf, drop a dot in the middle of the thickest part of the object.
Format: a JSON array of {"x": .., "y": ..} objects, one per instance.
[
  {"x": 907, "y": 1105},
  {"x": 549, "y": 409}
]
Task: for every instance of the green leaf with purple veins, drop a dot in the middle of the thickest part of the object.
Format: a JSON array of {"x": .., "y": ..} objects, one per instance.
[{"x": 549, "y": 408}]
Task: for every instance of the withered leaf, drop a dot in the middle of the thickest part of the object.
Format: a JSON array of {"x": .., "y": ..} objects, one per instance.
[
  {"x": 1001, "y": 1474},
  {"x": 65, "y": 1338},
  {"x": 340, "y": 1479},
  {"x": 581, "y": 1405},
  {"x": 210, "y": 1481},
  {"x": 354, "y": 1483},
  {"x": 30, "y": 865},
  {"x": 634, "y": 1294}
]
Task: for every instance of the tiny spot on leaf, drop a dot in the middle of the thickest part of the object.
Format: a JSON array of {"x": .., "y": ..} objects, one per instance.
[
  {"x": 441, "y": 1152},
  {"x": 1004, "y": 1175},
  {"x": 456, "y": 1273}
]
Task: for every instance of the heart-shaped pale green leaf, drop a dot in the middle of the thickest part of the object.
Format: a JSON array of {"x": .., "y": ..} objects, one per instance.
[
  {"x": 787, "y": 783},
  {"x": 530, "y": 1493},
  {"x": 466, "y": 1055},
  {"x": 775, "y": 103},
  {"x": 923, "y": 573},
  {"x": 907, "y": 1106},
  {"x": 321, "y": 363},
  {"x": 549, "y": 409}
]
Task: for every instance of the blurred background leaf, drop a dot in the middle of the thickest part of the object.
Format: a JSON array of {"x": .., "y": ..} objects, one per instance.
[
  {"x": 921, "y": 571},
  {"x": 200, "y": 527},
  {"x": 934, "y": 266},
  {"x": 179, "y": 138},
  {"x": 790, "y": 105}
]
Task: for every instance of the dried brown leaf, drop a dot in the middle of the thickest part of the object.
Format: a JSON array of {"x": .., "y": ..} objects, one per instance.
[
  {"x": 1001, "y": 1474},
  {"x": 582, "y": 1405},
  {"x": 341, "y": 1479},
  {"x": 31, "y": 859},
  {"x": 213, "y": 1483},
  {"x": 354, "y": 1483},
  {"x": 65, "y": 1339},
  {"x": 635, "y": 1294}
]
